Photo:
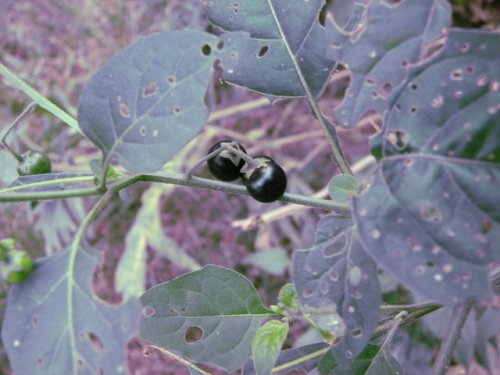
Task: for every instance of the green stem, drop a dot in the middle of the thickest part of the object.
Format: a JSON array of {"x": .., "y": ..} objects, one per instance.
[
  {"x": 458, "y": 318},
  {"x": 175, "y": 179},
  {"x": 329, "y": 130},
  {"x": 75, "y": 245}
]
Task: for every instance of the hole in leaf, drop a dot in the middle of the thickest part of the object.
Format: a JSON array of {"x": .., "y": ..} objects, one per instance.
[
  {"x": 80, "y": 364},
  {"x": 357, "y": 332},
  {"x": 143, "y": 131},
  {"x": 262, "y": 51},
  {"x": 148, "y": 311},
  {"x": 430, "y": 213},
  {"x": 177, "y": 109},
  {"x": 393, "y": 3},
  {"x": 385, "y": 91},
  {"x": 334, "y": 276},
  {"x": 124, "y": 109},
  {"x": 486, "y": 226},
  {"x": 206, "y": 50},
  {"x": 150, "y": 89},
  {"x": 220, "y": 45},
  {"x": 34, "y": 320},
  {"x": 309, "y": 293},
  {"x": 457, "y": 75},
  {"x": 95, "y": 341},
  {"x": 398, "y": 139},
  {"x": 194, "y": 335},
  {"x": 336, "y": 247},
  {"x": 322, "y": 14},
  {"x": 430, "y": 263},
  {"x": 413, "y": 86},
  {"x": 434, "y": 47},
  {"x": 413, "y": 110},
  {"x": 171, "y": 79},
  {"x": 40, "y": 361},
  {"x": 470, "y": 69},
  {"x": 348, "y": 354}
]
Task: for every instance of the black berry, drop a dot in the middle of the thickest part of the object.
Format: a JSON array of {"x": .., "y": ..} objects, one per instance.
[
  {"x": 225, "y": 166},
  {"x": 266, "y": 181}
]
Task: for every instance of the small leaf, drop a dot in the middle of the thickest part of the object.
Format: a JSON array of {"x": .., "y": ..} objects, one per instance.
[
  {"x": 281, "y": 34},
  {"x": 431, "y": 217},
  {"x": 288, "y": 296},
  {"x": 210, "y": 315},
  {"x": 44, "y": 332},
  {"x": 147, "y": 102},
  {"x": 274, "y": 261},
  {"x": 266, "y": 345},
  {"x": 336, "y": 277},
  {"x": 343, "y": 187},
  {"x": 391, "y": 36}
]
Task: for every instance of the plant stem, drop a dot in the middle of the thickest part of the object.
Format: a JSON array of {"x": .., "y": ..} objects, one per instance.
[
  {"x": 180, "y": 359},
  {"x": 328, "y": 128},
  {"x": 175, "y": 179},
  {"x": 75, "y": 246},
  {"x": 458, "y": 318},
  {"x": 12, "y": 125}
]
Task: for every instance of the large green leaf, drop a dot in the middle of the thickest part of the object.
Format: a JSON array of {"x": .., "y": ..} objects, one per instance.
[
  {"x": 55, "y": 324},
  {"x": 392, "y": 36},
  {"x": 432, "y": 214},
  {"x": 210, "y": 315},
  {"x": 283, "y": 35},
  {"x": 147, "y": 102}
]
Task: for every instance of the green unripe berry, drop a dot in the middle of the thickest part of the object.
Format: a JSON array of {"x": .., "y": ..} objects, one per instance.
[{"x": 33, "y": 162}]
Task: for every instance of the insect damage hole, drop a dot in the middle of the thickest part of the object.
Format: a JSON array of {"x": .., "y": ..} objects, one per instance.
[
  {"x": 206, "y": 50},
  {"x": 96, "y": 341},
  {"x": 262, "y": 51},
  {"x": 194, "y": 334}
]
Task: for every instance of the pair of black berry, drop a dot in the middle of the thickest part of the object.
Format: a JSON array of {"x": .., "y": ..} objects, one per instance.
[{"x": 264, "y": 179}]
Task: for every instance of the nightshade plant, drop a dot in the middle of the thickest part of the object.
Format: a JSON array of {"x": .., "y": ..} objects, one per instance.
[{"x": 429, "y": 214}]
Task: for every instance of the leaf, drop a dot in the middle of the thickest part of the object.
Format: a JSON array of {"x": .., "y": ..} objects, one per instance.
[
  {"x": 210, "y": 315},
  {"x": 130, "y": 276},
  {"x": 57, "y": 220},
  {"x": 283, "y": 36},
  {"x": 288, "y": 297},
  {"x": 374, "y": 360},
  {"x": 337, "y": 271},
  {"x": 8, "y": 172},
  {"x": 44, "y": 332},
  {"x": 50, "y": 182},
  {"x": 147, "y": 102},
  {"x": 289, "y": 360},
  {"x": 266, "y": 345},
  {"x": 432, "y": 214},
  {"x": 274, "y": 261},
  {"x": 343, "y": 187},
  {"x": 392, "y": 36},
  {"x": 41, "y": 100}
]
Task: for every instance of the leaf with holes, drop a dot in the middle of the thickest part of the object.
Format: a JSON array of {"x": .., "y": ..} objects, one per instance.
[
  {"x": 54, "y": 324},
  {"x": 147, "y": 102},
  {"x": 284, "y": 36},
  {"x": 338, "y": 272},
  {"x": 432, "y": 214},
  {"x": 210, "y": 315},
  {"x": 392, "y": 35}
]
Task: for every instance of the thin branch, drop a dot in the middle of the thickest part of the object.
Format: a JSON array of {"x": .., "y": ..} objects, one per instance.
[
  {"x": 328, "y": 128},
  {"x": 180, "y": 359},
  {"x": 14, "y": 124},
  {"x": 458, "y": 318}
]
